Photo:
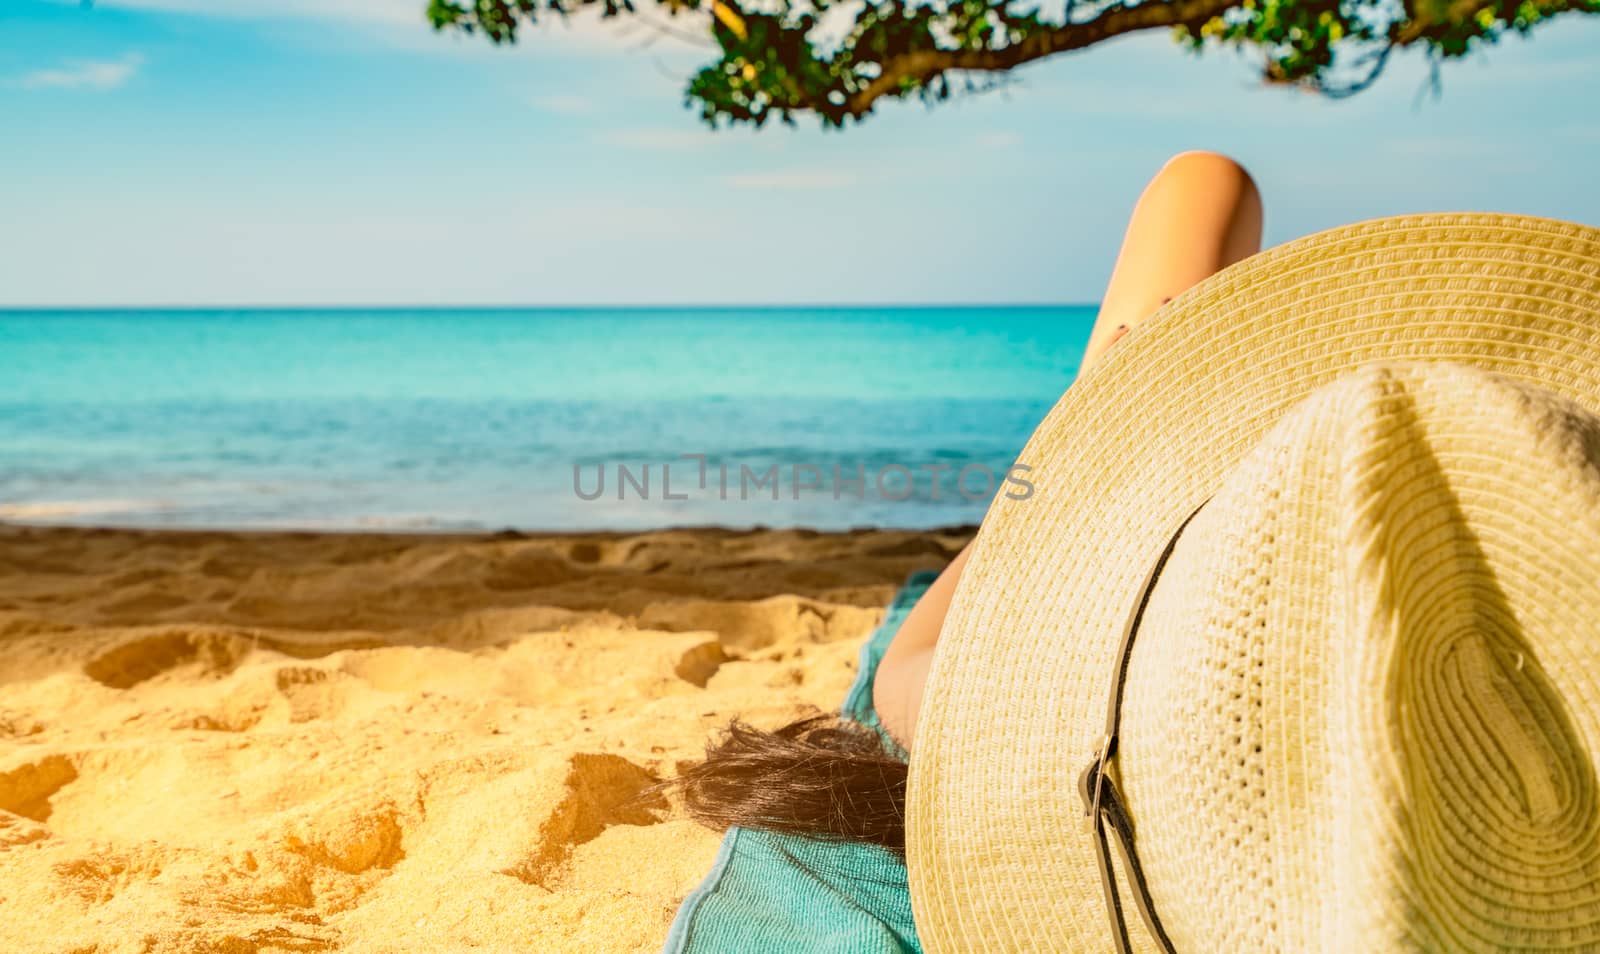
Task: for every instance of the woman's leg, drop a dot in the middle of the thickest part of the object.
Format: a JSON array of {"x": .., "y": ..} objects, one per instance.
[{"x": 1200, "y": 214}]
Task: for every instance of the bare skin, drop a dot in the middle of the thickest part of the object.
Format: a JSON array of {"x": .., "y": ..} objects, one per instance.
[{"x": 1200, "y": 214}]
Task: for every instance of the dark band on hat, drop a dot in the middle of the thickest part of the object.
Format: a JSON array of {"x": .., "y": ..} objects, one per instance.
[{"x": 1102, "y": 803}]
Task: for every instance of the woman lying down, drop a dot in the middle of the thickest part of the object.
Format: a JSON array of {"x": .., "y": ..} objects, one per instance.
[{"x": 1294, "y": 647}]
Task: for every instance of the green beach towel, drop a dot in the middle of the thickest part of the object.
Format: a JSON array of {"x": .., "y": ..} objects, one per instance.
[{"x": 781, "y": 894}]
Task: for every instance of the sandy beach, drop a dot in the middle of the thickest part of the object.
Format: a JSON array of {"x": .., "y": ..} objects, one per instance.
[{"x": 291, "y": 742}]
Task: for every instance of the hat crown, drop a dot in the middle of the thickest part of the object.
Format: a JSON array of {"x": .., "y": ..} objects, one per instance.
[
  {"x": 1015, "y": 706},
  {"x": 1362, "y": 700}
]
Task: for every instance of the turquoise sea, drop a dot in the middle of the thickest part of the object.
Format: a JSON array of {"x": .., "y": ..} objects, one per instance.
[{"x": 487, "y": 419}]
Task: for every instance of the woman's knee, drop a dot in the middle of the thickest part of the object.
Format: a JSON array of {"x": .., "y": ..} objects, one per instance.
[
  {"x": 1215, "y": 199},
  {"x": 1202, "y": 169}
]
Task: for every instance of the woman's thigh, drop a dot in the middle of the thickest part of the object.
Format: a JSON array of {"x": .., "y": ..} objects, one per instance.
[{"x": 1199, "y": 214}]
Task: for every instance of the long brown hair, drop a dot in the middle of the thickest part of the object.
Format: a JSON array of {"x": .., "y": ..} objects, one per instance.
[{"x": 820, "y": 777}]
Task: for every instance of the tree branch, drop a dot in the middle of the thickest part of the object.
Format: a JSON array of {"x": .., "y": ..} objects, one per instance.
[
  {"x": 1421, "y": 24},
  {"x": 923, "y": 65},
  {"x": 1376, "y": 62},
  {"x": 1456, "y": 12}
]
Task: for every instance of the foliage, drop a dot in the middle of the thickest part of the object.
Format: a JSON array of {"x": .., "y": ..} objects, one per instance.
[{"x": 837, "y": 58}]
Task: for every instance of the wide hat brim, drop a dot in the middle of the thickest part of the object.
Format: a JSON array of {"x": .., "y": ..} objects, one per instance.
[{"x": 999, "y": 855}]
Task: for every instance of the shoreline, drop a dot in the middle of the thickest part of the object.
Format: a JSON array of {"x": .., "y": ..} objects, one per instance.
[
  {"x": 382, "y": 741},
  {"x": 507, "y": 532}
]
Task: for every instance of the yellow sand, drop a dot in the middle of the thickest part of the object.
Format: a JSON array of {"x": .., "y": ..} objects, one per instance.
[{"x": 301, "y": 742}]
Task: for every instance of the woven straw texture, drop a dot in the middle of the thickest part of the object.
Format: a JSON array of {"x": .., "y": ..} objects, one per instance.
[{"x": 1362, "y": 713}]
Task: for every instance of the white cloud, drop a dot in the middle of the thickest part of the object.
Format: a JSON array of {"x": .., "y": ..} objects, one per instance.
[
  {"x": 662, "y": 140},
  {"x": 403, "y": 24},
  {"x": 1460, "y": 152},
  {"x": 1579, "y": 133},
  {"x": 1470, "y": 149},
  {"x": 797, "y": 179},
  {"x": 84, "y": 74},
  {"x": 647, "y": 28},
  {"x": 389, "y": 11},
  {"x": 999, "y": 140},
  {"x": 567, "y": 103}
]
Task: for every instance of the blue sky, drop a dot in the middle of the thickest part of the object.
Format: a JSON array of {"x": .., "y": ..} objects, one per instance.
[{"x": 339, "y": 152}]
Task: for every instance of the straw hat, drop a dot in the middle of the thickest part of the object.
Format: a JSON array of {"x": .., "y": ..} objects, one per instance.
[{"x": 1358, "y": 705}]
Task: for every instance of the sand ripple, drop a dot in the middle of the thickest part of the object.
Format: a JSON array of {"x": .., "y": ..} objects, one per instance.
[{"x": 299, "y": 742}]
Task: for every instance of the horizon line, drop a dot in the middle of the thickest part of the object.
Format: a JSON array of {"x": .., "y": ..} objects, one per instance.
[{"x": 5, "y": 308}]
